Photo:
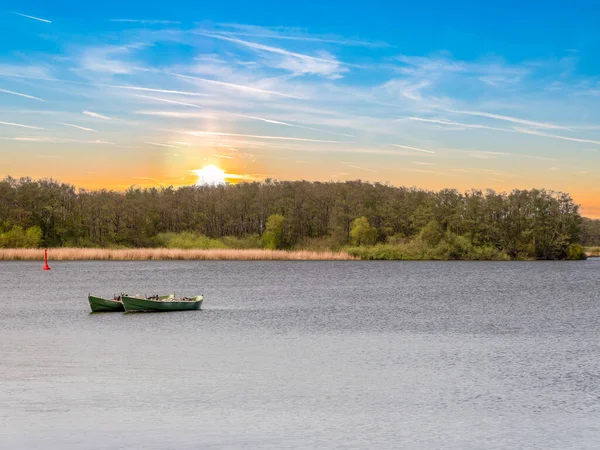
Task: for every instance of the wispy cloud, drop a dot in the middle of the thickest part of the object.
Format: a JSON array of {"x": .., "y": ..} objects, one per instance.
[
  {"x": 354, "y": 166},
  {"x": 96, "y": 115},
  {"x": 237, "y": 87},
  {"x": 21, "y": 95},
  {"x": 539, "y": 158},
  {"x": 480, "y": 154},
  {"x": 33, "y": 70},
  {"x": 483, "y": 171},
  {"x": 324, "y": 65},
  {"x": 161, "y": 91},
  {"x": 76, "y": 126},
  {"x": 28, "y": 139},
  {"x": 174, "y": 102},
  {"x": 425, "y": 171},
  {"x": 460, "y": 125},
  {"x": 283, "y": 138},
  {"x": 492, "y": 72},
  {"x": 32, "y": 17},
  {"x": 97, "y": 141},
  {"x": 422, "y": 150},
  {"x": 10, "y": 124},
  {"x": 57, "y": 140},
  {"x": 510, "y": 130},
  {"x": 295, "y": 34},
  {"x": 555, "y": 136},
  {"x": 215, "y": 114},
  {"x": 108, "y": 59},
  {"x": 277, "y": 122},
  {"x": 177, "y": 114},
  {"x": 407, "y": 88},
  {"x": 509, "y": 119},
  {"x": 157, "y": 144}
]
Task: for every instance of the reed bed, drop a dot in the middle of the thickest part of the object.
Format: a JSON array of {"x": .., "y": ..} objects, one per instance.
[
  {"x": 593, "y": 251},
  {"x": 160, "y": 254}
]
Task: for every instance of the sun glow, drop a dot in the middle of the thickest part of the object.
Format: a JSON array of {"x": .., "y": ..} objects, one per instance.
[{"x": 210, "y": 175}]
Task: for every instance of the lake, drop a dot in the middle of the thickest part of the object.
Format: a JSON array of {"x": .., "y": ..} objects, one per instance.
[{"x": 303, "y": 355}]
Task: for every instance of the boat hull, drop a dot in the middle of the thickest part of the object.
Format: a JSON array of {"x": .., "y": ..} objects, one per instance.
[
  {"x": 99, "y": 304},
  {"x": 134, "y": 304}
]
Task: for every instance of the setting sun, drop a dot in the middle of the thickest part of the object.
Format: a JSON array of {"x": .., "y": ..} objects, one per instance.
[{"x": 210, "y": 175}]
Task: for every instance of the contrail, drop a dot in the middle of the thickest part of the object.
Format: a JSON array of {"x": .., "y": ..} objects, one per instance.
[
  {"x": 20, "y": 125},
  {"x": 21, "y": 95},
  {"x": 216, "y": 133},
  {"x": 32, "y": 17},
  {"x": 76, "y": 126},
  {"x": 413, "y": 148},
  {"x": 168, "y": 101}
]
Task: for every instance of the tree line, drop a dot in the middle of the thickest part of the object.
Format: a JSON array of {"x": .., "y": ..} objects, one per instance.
[
  {"x": 522, "y": 224},
  {"x": 590, "y": 232}
]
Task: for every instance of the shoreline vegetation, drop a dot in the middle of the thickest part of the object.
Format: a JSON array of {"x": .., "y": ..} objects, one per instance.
[
  {"x": 170, "y": 254},
  {"x": 166, "y": 254},
  {"x": 290, "y": 220}
]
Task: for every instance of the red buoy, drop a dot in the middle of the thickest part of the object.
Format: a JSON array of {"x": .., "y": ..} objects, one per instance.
[{"x": 46, "y": 266}]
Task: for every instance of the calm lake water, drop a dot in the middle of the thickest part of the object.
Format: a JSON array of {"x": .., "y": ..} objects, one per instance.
[{"x": 345, "y": 355}]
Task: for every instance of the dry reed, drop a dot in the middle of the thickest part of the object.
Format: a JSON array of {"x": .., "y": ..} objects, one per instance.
[
  {"x": 593, "y": 251},
  {"x": 143, "y": 254}
]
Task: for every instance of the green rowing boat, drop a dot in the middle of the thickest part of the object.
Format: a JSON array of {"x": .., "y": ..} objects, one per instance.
[
  {"x": 157, "y": 304},
  {"x": 99, "y": 304}
]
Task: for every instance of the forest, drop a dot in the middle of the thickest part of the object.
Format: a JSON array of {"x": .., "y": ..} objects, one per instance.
[{"x": 368, "y": 220}]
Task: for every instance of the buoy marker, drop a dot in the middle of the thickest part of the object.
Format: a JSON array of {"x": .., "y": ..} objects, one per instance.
[{"x": 46, "y": 266}]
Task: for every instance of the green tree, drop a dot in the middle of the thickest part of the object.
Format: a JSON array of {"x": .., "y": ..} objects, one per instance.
[
  {"x": 273, "y": 235},
  {"x": 362, "y": 233},
  {"x": 33, "y": 237},
  {"x": 590, "y": 232},
  {"x": 16, "y": 237},
  {"x": 432, "y": 233}
]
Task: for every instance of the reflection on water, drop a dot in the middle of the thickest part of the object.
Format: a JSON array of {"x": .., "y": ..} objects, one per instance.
[{"x": 451, "y": 355}]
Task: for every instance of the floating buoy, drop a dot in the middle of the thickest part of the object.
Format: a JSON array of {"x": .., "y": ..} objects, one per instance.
[{"x": 46, "y": 266}]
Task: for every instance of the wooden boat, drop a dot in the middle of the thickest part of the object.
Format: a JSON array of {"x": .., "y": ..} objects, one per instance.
[
  {"x": 158, "y": 304},
  {"x": 99, "y": 304}
]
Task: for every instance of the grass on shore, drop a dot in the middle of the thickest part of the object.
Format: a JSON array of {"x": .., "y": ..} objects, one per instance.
[
  {"x": 142, "y": 254},
  {"x": 157, "y": 254},
  {"x": 593, "y": 251}
]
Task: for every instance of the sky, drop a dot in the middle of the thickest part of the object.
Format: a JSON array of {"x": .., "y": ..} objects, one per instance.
[{"x": 433, "y": 94}]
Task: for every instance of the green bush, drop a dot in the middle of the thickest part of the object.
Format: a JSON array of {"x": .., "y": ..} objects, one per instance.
[
  {"x": 187, "y": 240},
  {"x": 16, "y": 237},
  {"x": 452, "y": 247},
  {"x": 249, "y": 241},
  {"x": 576, "y": 252},
  {"x": 397, "y": 239}
]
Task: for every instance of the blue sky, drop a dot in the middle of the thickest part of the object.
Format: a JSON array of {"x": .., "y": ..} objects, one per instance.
[{"x": 434, "y": 94}]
